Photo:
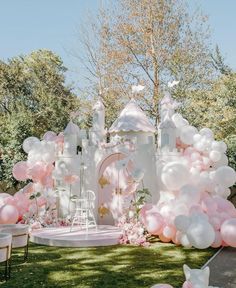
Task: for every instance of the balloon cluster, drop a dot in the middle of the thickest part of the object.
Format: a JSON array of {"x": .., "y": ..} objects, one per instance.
[
  {"x": 193, "y": 209},
  {"x": 38, "y": 168}
]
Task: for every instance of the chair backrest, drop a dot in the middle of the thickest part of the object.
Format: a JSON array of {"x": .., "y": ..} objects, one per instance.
[
  {"x": 5, "y": 246},
  {"x": 90, "y": 197}
]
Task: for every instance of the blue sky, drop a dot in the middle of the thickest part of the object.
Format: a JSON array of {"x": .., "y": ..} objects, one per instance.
[{"x": 26, "y": 25}]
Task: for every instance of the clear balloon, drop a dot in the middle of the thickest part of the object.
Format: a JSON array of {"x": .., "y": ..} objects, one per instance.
[{"x": 30, "y": 143}]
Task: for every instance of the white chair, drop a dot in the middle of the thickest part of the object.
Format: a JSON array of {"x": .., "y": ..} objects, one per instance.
[
  {"x": 5, "y": 252},
  {"x": 20, "y": 236},
  {"x": 84, "y": 215}
]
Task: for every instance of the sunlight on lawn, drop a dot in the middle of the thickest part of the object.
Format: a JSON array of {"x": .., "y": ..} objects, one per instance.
[{"x": 114, "y": 266}]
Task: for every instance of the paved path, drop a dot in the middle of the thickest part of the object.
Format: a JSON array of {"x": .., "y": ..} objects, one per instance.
[{"x": 223, "y": 268}]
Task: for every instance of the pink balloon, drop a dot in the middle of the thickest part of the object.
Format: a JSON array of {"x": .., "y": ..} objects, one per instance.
[
  {"x": 8, "y": 200},
  {"x": 70, "y": 179},
  {"x": 47, "y": 182},
  {"x": 28, "y": 189},
  {"x": 8, "y": 214},
  {"x": 20, "y": 171},
  {"x": 224, "y": 205},
  {"x": 60, "y": 138},
  {"x": 218, "y": 240},
  {"x": 38, "y": 171},
  {"x": 164, "y": 239},
  {"x": 146, "y": 209},
  {"x": 216, "y": 221},
  {"x": 209, "y": 205},
  {"x": 50, "y": 136},
  {"x": 22, "y": 202},
  {"x": 177, "y": 237},
  {"x": 228, "y": 232},
  {"x": 189, "y": 150},
  {"x": 154, "y": 223},
  {"x": 187, "y": 284},
  {"x": 169, "y": 231}
]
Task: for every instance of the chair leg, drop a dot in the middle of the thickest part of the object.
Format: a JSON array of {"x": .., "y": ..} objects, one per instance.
[
  {"x": 9, "y": 268},
  {"x": 26, "y": 250},
  {"x": 6, "y": 270}
]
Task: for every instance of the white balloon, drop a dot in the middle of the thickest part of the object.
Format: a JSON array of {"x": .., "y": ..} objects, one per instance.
[
  {"x": 226, "y": 176},
  {"x": 207, "y": 132},
  {"x": 30, "y": 143},
  {"x": 222, "y": 162},
  {"x": 187, "y": 133},
  {"x": 182, "y": 223},
  {"x": 185, "y": 241},
  {"x": 197, "y": 137},
  {"x": 200, "y": 234},
  {"x": 174, "y": 175},
  {"x": 179, "y": 121},
  {"x": 199, "y": 146},
  {"x": 215, "y": 155},
  {"x": 189, "y": 194},
  {"x": 219, "y": 146}
]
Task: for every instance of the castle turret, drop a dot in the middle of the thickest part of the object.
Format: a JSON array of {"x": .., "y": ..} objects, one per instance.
[
  {"x": 70, "y": 139},
  {"x": 167, "y": 133},
  {"x": 167, "y": 128},
  {"x": 98, "y": 130}
]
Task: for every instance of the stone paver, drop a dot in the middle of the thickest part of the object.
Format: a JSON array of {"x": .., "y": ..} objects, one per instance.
[{"x": 223, "y": 268}]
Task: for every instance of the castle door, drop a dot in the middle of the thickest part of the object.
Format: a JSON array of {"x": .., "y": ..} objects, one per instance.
[{"x": 115, "y": 187}]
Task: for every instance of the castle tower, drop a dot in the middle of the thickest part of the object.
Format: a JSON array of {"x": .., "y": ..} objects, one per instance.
[
  {"x": 98, "y": 128},
  {"x": 167, "y": 133},
  {"x": 71, "y": 134},
  {"x": 167, "y": 128}
]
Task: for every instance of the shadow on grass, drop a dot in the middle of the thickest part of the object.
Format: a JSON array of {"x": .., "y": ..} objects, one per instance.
[{"x": 114, "y": 266}]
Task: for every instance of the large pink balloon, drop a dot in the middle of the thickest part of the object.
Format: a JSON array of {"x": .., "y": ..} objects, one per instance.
[
  {"x": 3, "y": 198},
  {"x": 6, "y": 199},
  {"x": 154, "y": 223},
  {"x": 22, "y": 202},
  {"x": 38, "y": 171},
  {"x": 8, "y": 214},
  {"x": 228, "y": 232},
  {"x": 20, "y": 171},
  {"x": 147, "y": 208}
]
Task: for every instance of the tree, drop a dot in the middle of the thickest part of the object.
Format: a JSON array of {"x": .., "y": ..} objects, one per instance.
[
  {"x": 148, "y": 42},
  {"x": 216, "y": 109},
  {"x": 33, "y": 99}
]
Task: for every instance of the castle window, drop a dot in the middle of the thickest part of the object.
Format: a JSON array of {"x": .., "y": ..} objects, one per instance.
[{"x": 165, "y": 140}]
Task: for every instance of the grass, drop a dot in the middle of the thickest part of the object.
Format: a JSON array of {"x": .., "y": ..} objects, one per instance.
[{"x": 105, "y": 267}]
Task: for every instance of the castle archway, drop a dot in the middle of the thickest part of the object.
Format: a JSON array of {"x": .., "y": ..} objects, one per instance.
[{"x": 115, "y": 187}]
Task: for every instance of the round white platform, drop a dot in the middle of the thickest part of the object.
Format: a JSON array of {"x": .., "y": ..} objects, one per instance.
[{"x": 105, "y": 235}]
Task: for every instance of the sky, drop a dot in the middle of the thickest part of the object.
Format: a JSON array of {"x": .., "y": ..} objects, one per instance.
[{"x": 27, "y": 25}]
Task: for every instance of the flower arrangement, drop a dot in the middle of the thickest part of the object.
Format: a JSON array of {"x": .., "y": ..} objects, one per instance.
[{"x": 133, "y": 231}]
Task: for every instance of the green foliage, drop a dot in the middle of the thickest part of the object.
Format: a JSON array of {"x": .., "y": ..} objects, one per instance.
[
  {"x": 33, "y": 100},
  {"x": 231, "y": 151},
  {"x": 216, "y": 109},
  {"x": 140, "y": 199}
]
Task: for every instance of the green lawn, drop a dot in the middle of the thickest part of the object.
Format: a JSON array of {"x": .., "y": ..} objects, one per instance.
[{"x": 114, "y": 266}]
